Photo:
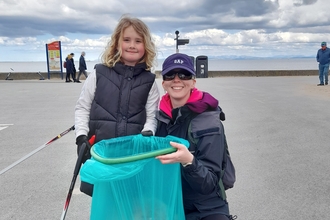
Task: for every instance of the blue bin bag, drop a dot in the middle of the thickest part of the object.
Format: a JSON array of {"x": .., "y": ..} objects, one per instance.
[{"x": 130, "y": 184}]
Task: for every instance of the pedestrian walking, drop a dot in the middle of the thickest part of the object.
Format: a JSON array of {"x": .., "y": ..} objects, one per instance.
[
  {"x": 323, "y": 58},
  {"x": 82, "y": 66}
]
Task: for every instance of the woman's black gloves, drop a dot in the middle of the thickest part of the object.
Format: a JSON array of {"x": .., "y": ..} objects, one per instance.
[{"x": 79, "y": 142}]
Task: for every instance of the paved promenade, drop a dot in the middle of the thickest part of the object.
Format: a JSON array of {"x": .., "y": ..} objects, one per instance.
[
  {"x": 278, "y": 131},
  {"x": 41, "y": 75}
]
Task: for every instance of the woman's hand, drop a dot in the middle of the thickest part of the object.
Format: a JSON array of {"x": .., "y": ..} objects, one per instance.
[{"x": 182, "y": 155}]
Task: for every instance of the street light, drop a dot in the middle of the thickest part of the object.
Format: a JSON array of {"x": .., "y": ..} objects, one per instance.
[{"x": 180, "y": 41}]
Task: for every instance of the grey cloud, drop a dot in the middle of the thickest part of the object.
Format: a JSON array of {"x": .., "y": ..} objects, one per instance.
[
  {"x": 161, "y": 17},
  {"x": 309, "y": 2},
  {"x": 244, "y": 22},
  {"x": 209, "y": 14},
  {"x": 304, "y": 2},
  {"x": 255, "y": 8},
  {"x": 239, "y": 8},
  {"x": 33, "y": 26}
]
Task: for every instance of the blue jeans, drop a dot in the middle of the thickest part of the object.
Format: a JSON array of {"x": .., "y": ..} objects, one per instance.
[{"x": 323, "y": 73}]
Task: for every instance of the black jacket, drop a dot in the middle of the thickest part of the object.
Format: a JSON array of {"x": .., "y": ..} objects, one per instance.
[
  {"x": 200, "y": 181},
  {"x": 82, "y": 63},
  {"x": 69, "y": 65}
]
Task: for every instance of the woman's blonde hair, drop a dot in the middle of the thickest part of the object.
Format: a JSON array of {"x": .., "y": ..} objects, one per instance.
[{"x": 113, "y": 53}]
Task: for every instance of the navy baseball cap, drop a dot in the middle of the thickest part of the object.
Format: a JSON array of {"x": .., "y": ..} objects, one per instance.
[
  {"x": 323, "y": 44},
  {"x": 178, "y": 61}
]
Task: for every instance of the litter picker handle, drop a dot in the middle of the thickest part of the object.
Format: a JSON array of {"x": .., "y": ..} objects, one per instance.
[
  {"x": 79, "y": 160},
  {"x": 74, "y": 178},
  {"x": 92, "y": 140}
]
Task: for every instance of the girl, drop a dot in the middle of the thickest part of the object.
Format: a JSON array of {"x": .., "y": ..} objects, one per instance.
[{"x": 120, "y": 97}]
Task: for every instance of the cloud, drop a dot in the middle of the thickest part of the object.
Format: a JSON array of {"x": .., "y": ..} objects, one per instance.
[{"x": 213, "y": 27}]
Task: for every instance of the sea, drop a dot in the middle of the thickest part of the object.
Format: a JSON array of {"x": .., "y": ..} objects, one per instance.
[{"x": 212, "y": 65}]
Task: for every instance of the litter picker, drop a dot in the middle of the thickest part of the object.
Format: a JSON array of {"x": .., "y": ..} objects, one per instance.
[
  {"x": 82, "y": 151},
  {"x": 74, "y": 178},
  {"x": 41, "y": 77},
  {"x": 36, "y": 150},
  {"x": 7, "y": 78}
]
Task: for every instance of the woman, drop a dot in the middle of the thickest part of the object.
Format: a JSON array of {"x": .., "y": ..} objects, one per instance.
[{"x": 185, "y": 109}]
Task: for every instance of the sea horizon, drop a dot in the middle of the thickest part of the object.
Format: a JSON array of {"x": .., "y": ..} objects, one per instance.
[{"x": 214, "y": 64}]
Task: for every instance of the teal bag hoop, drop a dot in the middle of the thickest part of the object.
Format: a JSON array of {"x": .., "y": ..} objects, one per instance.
[
  {"x": 140, "y": 156},
  {"x": 132, "y": 158}
]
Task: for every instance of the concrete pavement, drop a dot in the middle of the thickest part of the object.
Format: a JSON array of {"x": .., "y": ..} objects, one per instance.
[{"x": 277, "y": 130}]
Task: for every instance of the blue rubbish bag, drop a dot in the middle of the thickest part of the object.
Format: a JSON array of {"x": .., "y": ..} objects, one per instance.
[{"x": 130, "y": 184}]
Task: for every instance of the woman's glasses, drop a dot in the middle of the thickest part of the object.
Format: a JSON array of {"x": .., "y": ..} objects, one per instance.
[{"x": 183, "y": 76}]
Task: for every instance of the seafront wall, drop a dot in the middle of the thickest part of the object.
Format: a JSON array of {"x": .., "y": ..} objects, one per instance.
[{"x": 35, "y": 75}]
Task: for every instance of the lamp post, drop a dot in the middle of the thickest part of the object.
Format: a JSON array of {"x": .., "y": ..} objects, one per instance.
[{"x": 180, "y": 41}]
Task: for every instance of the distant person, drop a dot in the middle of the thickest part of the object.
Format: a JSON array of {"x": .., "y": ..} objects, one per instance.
[
  {"x": 187, "y": 112},
  {"x": 120, "y": 97},
  {"x": 323, "y": 58},
  {"x": 74, "y": 68},
  {"x": 82, "y": 66},
  {"x": 69, "y": 68}
]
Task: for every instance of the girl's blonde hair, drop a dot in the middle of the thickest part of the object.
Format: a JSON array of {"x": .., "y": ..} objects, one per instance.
[{"x": 113, "y": 53}]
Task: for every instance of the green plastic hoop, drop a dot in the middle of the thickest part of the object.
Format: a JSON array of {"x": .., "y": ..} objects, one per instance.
[{"x": 132, "y": 158}]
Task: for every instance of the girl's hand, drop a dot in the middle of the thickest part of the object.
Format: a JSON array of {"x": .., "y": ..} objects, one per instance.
[{"x": 182, "y": 155}]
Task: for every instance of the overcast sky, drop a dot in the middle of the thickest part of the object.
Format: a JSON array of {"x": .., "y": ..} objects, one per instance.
[{"x": 215, "y": 28}]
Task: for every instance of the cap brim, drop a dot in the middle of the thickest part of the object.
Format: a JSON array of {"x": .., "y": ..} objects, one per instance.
[{"x": 177, "y": 67}]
